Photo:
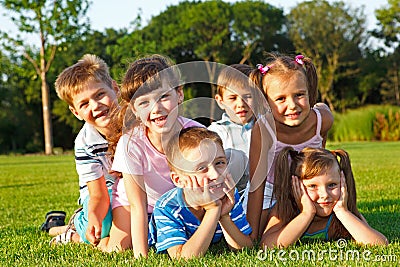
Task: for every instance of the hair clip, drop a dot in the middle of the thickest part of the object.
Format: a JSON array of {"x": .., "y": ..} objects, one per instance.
[
  {"x": 299, "y": 59},
  {"x": 263, "y": 69}
]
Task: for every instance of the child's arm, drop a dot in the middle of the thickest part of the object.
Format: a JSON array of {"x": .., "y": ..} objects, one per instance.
[
  {"x": 233, "y": 236},
  {"x": 327, "y": 120},
  {"x": 99, "y": 203},
  {"x": 258, "y": 166},
  {"x": 358, "y": 228},
  {"x": 137, "y": 197},
  {"x": 279, "y": 235},
  {"x": 198, "y": 243}
]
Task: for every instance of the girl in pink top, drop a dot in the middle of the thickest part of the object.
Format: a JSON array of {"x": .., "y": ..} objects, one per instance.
[
  {"x": 147, "y": 117},
  {"x": 290, "y": 86}
]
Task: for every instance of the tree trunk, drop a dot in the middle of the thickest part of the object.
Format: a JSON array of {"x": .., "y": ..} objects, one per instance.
[{"x": 47, "y": 125}]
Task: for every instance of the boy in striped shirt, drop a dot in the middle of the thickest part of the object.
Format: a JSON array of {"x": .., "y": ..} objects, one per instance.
[
  {"x": 91, "y": 94},
  {"x": 204, "y": 206}
]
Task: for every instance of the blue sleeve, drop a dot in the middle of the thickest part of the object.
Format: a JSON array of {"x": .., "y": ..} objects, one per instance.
[
  {"x": 170, "y": 231},
  {"x": 238, "y": 216}
]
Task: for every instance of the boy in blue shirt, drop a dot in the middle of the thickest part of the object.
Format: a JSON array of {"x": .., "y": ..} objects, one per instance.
[
  {"x": 204, "y": 206},
  {"x": 91, "y": 94}
]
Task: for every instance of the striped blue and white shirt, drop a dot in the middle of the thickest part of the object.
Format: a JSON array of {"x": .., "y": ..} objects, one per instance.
[
  {"x": 173, "y": 223},
  {"x": 91, "y": 159}
]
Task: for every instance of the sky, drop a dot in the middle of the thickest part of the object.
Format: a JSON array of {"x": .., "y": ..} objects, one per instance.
[{"x": 119, "y": 14}]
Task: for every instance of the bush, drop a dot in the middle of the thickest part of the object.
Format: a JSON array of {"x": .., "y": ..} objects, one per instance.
[{"x": 367, "y": 124}]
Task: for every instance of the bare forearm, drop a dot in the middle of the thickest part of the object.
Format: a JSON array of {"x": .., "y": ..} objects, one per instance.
[
  {"x": 290, "y": 233},
  {"x": 139, "y": 231},
  {"x": 254, "y": 207},
  {"x": 233, "y": 236},
  {"x": 200, "y": 241},
  {"x": 360, "y": 230},
  {"x": 98, "y": 208}
]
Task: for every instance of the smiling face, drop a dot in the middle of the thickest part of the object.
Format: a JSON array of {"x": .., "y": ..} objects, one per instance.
[
  {"x": 237, "y": 103},
  {"x": 324, "y": 190},
  {"x": 202, "y": 167},
  {"x": 288, "y": 99},
  {"x": 93, "y": 105},
  {"x": 158, "y": 109}
]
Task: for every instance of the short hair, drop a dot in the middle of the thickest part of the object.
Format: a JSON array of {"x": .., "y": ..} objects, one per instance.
[
  {"x": 234, "y": 76},
  {"x": 188, "y": 138},
  {"x": 73, "y": 79}
]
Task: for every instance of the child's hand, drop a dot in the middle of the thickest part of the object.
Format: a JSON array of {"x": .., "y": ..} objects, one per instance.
[
  {"x": 93, "y": 234},
  {"x": 341, "y": 204},
  {"x": 303, "y": 200},
  {"x": 228, "y": 201},
  {"x": 199, "y": 196}
]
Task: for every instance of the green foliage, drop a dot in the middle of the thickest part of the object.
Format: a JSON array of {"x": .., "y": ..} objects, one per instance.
[
  {"x": 30, "y": 186},
  {"x": 328, "y": 33},
  {"x": 358, "y": 124}
]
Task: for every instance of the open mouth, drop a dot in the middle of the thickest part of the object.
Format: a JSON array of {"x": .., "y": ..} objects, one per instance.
[
  {"x": 293, "y": 115},
  {"x": 216, "y": 186},
  {"x": 102, "y": 114},
  {"x": 160, "y": 121}
]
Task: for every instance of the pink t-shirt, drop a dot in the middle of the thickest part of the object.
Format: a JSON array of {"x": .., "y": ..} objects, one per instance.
[{"x": 136, "y": 155}]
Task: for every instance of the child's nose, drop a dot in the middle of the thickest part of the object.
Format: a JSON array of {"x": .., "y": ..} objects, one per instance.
[
  {"x": 322, "y": 192},
  {"x": 291, "y": 103},
  {"x": 213, "y": 173}
]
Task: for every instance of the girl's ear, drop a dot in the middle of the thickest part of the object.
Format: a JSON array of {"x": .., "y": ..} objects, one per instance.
[
  {"x": 181, "y": 95},
  {"x": 220, "y": 101},
  {"x": 178, "y": 182}
]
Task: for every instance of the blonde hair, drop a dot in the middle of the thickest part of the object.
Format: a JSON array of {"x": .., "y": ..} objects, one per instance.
[
  {"x": 75, "y": 78},
  {"x": 307, "y": 164},
  {"x": 186, "y": 139},
  {"x": 284, "y": 67}
]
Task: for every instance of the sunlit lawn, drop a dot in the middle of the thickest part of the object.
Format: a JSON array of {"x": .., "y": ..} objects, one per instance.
[{"x": 32, "y": 185}]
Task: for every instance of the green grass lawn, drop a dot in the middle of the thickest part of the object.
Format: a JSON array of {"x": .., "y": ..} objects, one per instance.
[{"x": 32, "y": 185}]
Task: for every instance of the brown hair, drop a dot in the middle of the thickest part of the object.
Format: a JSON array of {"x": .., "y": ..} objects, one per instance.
[
  {"x": 284, "y": 67},
  {"x": 143, "y": 76},
  {"x": 188, "y": 138},
  {"x": 73, "y": 79},
  {"x": 307, "y": 164},
  {"x": 231, "y": 77}
]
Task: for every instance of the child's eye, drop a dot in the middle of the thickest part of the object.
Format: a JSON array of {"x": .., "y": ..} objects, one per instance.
[
  {"x": 143, "y": 103},
  {"x": 220, "y": 163},
  {"x": 332, "y": 185},
  {"x": 164, "y": 96},
  {"x": 100, "y": 94},
  {"x": 83, "y": 105},
  {"x": 202, "y": 169},
  {"x": 280, "y": 99},
  {"x": 311, "y": 186}
]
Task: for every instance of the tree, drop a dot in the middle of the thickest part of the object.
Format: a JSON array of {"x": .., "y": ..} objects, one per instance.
[
  {"x": 389, "y": 21},
  {"x": 54, "y": 22},
  {"x": 258, "y": 27},
  {"x": 326, "y": 33}
]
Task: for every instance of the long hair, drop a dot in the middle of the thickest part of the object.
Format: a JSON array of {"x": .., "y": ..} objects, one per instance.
[
  {"x": 284, "y": 67},
  {"x": 307, "y": 164},
  {"x": 142, "y": 76}
]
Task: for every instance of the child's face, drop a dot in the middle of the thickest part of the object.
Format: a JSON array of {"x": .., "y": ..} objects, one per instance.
[
  {"x": 238, "y": 104},
  {"x": 93, "y": 104},
  {"x": 324, "y": 191},
  {"x": 158, "y": 109},
  {"x": 288, "y": 100},
  {"x": 203, "y": 168}
]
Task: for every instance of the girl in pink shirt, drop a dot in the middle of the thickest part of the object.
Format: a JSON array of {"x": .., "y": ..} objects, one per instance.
[{"x": 147, "y": 117}]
